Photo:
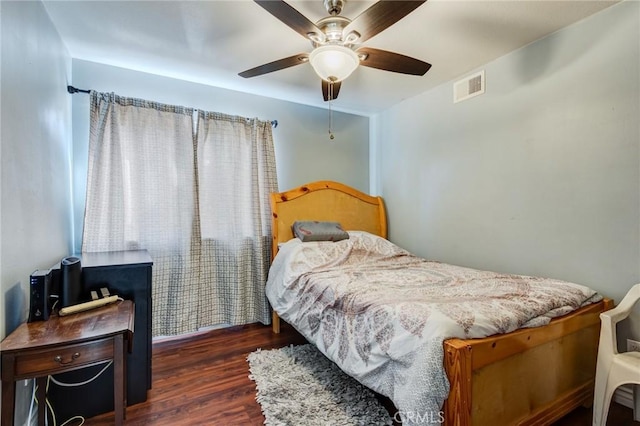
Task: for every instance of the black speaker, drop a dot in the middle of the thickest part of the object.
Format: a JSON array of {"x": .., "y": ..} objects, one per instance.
[{"x": 70, "y": 282}]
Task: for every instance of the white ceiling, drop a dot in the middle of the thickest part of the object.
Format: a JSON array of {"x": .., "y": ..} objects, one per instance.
[{"x": 210, "y": 42}]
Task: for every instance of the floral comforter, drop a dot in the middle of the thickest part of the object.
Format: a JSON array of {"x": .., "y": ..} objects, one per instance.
[{"x": 382, "y": 314}]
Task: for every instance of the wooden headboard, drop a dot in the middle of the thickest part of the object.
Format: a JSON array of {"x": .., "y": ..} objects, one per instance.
[{"x": 326, "y": 201}]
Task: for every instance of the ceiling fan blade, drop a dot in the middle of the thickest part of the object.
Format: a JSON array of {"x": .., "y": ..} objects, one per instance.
[
  {"x": 280, "y": 64},
  {"x": 291, "y": 17},
  {"x": 390, "y": 61},
  {"x": 326, "y": 93},
  {"x": 380, "y": 16}
]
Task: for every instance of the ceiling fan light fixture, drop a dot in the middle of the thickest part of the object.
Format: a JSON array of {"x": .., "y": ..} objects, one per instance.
[{"x": 333, "y": 62}]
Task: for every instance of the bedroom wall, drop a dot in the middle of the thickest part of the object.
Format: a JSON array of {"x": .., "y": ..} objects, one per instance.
[
  {"x": 34, "y": 159},
  {"x": 304, "y": 152},
  {"x": 541, "y": 174}
]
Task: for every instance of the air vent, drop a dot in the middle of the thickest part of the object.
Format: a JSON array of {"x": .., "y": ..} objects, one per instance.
[{"x": 468, "y": 87}]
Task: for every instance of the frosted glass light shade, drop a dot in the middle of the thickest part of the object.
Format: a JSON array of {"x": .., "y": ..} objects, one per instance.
[{"x": 333, "y": 62}]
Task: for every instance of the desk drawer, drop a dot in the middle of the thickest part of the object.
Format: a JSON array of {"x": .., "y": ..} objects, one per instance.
[{"x": 64, "y": 358}]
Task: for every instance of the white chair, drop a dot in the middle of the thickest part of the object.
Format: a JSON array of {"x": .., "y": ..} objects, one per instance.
[{"x": 613, "y": 368}]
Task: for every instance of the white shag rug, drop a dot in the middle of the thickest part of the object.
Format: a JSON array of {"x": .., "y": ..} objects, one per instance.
[{"x": 298, "y": 385}]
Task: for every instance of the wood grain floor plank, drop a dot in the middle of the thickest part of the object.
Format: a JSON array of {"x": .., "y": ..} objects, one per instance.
[{"x": 203, "y": 379}]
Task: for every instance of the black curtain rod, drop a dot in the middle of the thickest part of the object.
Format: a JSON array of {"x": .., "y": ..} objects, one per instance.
[{"x": 72, "y": 90}]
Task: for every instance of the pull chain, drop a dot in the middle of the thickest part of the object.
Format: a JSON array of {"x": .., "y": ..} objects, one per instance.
[{"x": 331, "y": 111}]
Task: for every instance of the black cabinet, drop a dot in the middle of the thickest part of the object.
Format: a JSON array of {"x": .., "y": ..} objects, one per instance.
[{"x": 128, "y": 275}]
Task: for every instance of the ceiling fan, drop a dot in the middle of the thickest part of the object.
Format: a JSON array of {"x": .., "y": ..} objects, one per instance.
[{"x": 335, "y": 40}]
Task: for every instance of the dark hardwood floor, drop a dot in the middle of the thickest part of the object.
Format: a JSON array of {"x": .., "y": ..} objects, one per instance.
[{"x": 203, "y": 380}]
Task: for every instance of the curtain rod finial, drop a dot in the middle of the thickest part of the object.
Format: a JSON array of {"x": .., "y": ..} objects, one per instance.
[{"x": 73, "y": 90}]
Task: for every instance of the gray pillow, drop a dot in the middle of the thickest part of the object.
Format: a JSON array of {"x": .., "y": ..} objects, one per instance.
[{"x": 313, "y": 230}]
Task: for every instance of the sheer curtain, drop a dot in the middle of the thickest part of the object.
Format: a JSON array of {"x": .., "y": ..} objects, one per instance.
[{"x": 197, "y": 201}]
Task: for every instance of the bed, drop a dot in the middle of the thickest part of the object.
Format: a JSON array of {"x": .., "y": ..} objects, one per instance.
[{"x": 527, "y": 376}]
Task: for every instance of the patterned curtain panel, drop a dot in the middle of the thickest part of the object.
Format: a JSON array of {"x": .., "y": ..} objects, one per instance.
[
  {"x": 236, "y": 174},
  {"x": 143, "y": 189}
]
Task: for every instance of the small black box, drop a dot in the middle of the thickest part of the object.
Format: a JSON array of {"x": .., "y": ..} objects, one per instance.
[{"x": 39, "y": 288}]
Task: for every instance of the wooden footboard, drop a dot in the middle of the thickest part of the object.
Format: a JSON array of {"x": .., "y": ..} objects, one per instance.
[{"x": 531, "y": 376}]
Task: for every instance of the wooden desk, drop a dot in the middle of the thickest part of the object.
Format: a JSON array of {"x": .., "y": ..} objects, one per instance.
[{"x": 38, "y": 349}]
